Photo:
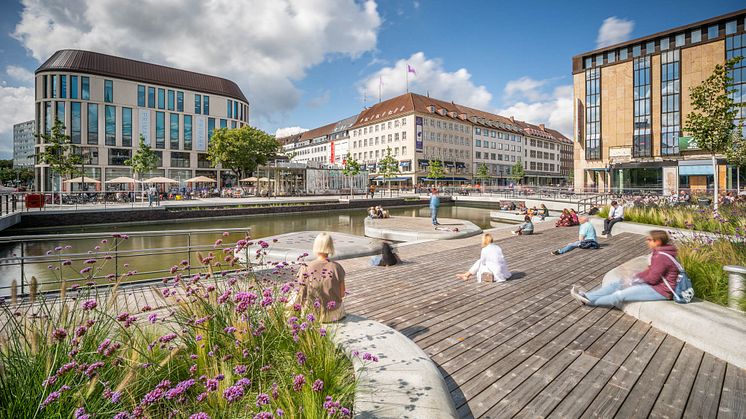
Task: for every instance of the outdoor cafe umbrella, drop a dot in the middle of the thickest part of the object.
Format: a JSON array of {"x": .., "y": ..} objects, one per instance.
[
  {"x": 249, "y": 179},
  {"x": 201, "y": 179},
  {"x": 83, "y": 179},
  {"x": 122, "y": 179},
  {"x": 160, "y": 179}
]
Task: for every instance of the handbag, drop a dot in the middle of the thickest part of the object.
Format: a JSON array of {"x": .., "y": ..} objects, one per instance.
[
  {"x": 684, "y": 291},
  {"x": 487, "y": 277}
]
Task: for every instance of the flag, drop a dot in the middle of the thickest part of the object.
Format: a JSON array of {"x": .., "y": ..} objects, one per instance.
[{"x": 410, "y": 69}]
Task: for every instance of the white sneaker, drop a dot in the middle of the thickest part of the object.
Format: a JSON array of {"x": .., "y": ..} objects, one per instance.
[{"x": 578, "y": 296}]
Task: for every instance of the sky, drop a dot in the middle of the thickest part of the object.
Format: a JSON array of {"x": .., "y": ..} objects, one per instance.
[{"x": 306, "y": 63}]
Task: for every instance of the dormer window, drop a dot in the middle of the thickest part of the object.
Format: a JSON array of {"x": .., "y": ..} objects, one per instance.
[{"x": 431, "y": 108}]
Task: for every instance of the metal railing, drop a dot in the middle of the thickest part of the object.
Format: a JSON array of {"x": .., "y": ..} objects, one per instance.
[
  {"x": 33, "y": 261},
  {"x": 585, "y": 204}
]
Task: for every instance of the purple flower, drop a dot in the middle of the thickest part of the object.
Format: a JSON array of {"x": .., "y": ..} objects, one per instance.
[
  {"x": 180, "y": 389},
  {"x": 167, "y": 337},
  {"x": 233, "y": 393},
  {"x": 53, "y": 396},
  {"x": 322, "y": 331},
  {"x": 81, "y": 414},
  {"x": 90, "y": 261},
  {"x": 59, "y": 334},
  {"x": 300, "y": 357},
  {"x": 89, "y": 305},
  {"x": 115, "y": 396},
  {"x": 311, "y": 318},
  {"x": 263, "y": 415},
  {"x": 211, "y": 384},
  {"x": 229, "y": 329},
  {"x": 244, "y": 382},
  {"x": 239, "y": 369},
  {"x": 370, "y": 357},
  {"x": 153, "y": 317},
  {"x": 153, "y": 396},
  {"x": 298, "y": 382},
  {"x": 200, "y": 415},
  {"x": 317, "y": 386},
  {"x": 85, "y": 270},
  {"x": 280, "y": 412},
  {"x": 331, "y": 305},
  {"x": 122, "y": 415},
  {"x": 262, "y": 399}
]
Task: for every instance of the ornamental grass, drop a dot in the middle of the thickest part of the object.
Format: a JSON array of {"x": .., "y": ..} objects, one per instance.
[
  {"x": 220, "y": 343},
  {"x": 729, "y": 219}
]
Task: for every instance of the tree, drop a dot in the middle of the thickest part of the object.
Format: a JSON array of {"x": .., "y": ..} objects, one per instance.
[
  {"x": 242, "y": 150},
  {"x": 350, "y": 169},
  {"x": 388, "y": 167},
  {"x": 143, "y": 161},
  {"x": 435, "y": 170},
  {"x": 483, "y": 173},
  {"x": 517, "y": 173},
  {"x": 60, "y": 153},
  {"x": 711, "y": 122}
]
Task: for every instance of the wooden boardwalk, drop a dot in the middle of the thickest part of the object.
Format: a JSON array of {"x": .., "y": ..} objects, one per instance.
[{"x": 524, "y": 348}]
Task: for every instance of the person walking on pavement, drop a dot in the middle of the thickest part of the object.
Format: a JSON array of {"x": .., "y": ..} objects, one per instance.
[
  {"x": 151, "y": 195},
  {"x": 434, "y": 205}
]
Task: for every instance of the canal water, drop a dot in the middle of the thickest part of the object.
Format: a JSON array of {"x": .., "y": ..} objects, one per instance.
[{"x": 148, "y": 263}]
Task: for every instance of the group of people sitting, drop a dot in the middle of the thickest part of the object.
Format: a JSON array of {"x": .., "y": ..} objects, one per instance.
[
  {"x": 542, "y": 212},
  {"x": 568, "y": 218},
  {"x": 378, "y": 212}
]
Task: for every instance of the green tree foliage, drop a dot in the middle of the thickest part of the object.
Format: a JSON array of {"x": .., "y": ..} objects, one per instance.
[
  {"x": 242, "y": 150},
  {"x": 517, "y": 173},
  {"x": 711, "y": 122},
  {"x": 15, "y": 176},
  {"x": 62, "y": 156},
  {"x": 435, "y": 170},
  {"x": 483, "y": 172},
  {"x": 144, "y": 160},
  {"x": 351, "y": 168},
  {"x": 388, "y": 167}
]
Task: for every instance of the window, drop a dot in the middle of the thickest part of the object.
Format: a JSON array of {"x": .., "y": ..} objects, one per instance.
[
  {"x": 599, "y": 59},
  {"x": 203, "y": 162},
  {"x": 588, "y": 62},
  {"x": 188, "y": 131},
  {"x": 223, "y": 123},
  {"x": 641, "y": 132},
  {"x": 664, "y": 44},
  {"x": 158, "y": 158},
  {"x": 735, "y": 46},
  {"x": 478, "y": 154},
  {"x": 151, "y": 97},
  {"x": 45, "y": 87},
  {"x": 110, "y": 126},
  {"x": 63, "y": 87},
  {"x": 92, "y": 123},
  {"x": 712, "y": 32},
  {"x": 229, "y": 109},
  {"x": 161, "y": 98},
  {"x": 48, "y": 117},
  {"x": 730, "y": 27},
  {"x": 108, "y": 91},
  {"x": 180, "y": 101},
  {"x": 210, "y": 129},
  {"x": 54, "y": 86},
  {"x": 60, "y": 112},
  {"x": 179, "y": 159},
  {"x": 477, "y": 143},
  {"x": 160, "y": 130},
  {"x": 592, "y": 115},
  {"x": 197, "y": 104},
  {"x": 611, "y": 57},
  {"x": 680, "y": 40},
  {"x": 126, "y": 127},
  {"x": 141, "y": 95},
  {"x": 670, "y": 102},
  {"x": 636, "y": 50},
  {"x": 206, "y": 105},
  {"x": 85, "y": 91},
  {"x": 174, "y": 131},
  {"x": 171, "y": 100},
  {"x": 75, "y": 122},
  {"x": 650, "y": 47},
  {"x": 623, "y": 54},
  {"x": 696, "y": 36},
  {"x": 235, "y": 109},
  {"x": 118, "y": 156}
]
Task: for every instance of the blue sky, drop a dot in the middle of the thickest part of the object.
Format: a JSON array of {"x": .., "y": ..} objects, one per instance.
[{"x": 303, "y": 64}]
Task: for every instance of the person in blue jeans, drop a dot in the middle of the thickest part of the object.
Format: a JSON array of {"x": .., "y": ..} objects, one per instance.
[
  {"x": 586, "y": 237},
  {"x": 434, "y": 205},
  {"x": 653, "y": 284}
]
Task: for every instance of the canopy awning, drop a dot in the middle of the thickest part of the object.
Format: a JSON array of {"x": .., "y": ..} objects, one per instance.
[
  {"x": 394, "y": 179},
  {"x": 698, "y": 170},
  {"x": 203, "y": 179},
  {"x": 249, "y": 179},
  {"x": 83, "y": 179},
  {"x": 122, "y": 179},
  {"x": 447, "y": 179},
  {"x": 160, "y": 179}
]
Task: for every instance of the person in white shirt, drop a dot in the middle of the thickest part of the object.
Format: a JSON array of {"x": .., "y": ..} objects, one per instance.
[
  {"x": 492, "y": 261},
  {"x": 615, "y": 215}
]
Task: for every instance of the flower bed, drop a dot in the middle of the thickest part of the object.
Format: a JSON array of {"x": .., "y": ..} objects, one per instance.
[
  {"x": 219, "y": 348},
  {"x": 730, "y": 219}
]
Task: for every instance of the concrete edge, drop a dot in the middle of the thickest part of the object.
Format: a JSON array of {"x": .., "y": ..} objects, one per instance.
[
  {"x": 714, "y": 329},
  {"x": 404, "y": 383},
  {"x": 384, "y": 233}
]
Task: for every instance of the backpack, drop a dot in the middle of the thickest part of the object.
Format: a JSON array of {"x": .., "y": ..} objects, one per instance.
[
  {"x": 684, "y": 291},
  {"x": 588, "y": 244}
]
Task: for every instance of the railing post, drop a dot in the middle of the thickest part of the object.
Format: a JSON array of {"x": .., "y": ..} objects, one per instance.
[
  {"x": 23, "y": 261},
  {"x": 189, "y": 254},
  {"x": 736, "y": 284},
  {"x": 116, "y": 258}
]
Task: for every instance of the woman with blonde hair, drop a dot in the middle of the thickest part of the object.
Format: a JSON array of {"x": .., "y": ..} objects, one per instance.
[
  {"x": 322, "y": 282},
  {"x": 491, "y": 266}
]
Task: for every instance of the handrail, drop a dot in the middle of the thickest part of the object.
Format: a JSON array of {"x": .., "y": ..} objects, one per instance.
[{"x": 90, "y": 236}]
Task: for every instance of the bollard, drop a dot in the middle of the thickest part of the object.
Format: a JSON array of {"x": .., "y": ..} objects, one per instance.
[{"x": 736, "y": 284}]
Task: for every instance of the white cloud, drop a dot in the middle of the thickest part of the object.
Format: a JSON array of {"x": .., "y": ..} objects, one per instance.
[
  {"x": 287, "y": 131},
  {"x": 525, "y": 87},
  {"x": 20, "y": 74},
  {"x": 320, "y": 100},
  {"x": 17, "y": 104},
  {"x": 431, "y": 77},
  {"x": 613, "y": 31},
  {"x": 265, "y": 46},
  {"x": 553, "y": 109}
]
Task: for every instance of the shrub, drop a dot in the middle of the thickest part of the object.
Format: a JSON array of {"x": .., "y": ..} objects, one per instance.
[
  {"x": 219, "y": 347},
  {"x": 730, "y": 219}
]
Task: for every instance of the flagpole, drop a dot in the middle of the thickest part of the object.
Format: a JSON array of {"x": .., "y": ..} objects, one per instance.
[{"x": 380, "y": 82}]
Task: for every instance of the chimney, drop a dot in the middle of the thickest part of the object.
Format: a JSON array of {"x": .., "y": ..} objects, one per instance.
[
  {"x": 542, "y": 127},
  {"x": 512, "y": 119}
]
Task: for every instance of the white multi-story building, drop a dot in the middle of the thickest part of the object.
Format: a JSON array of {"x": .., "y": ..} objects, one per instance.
[
  {"x": 107, "y": 102},
  {"x": 326, "y": 145},
  {"x": 23, "y": 145}
]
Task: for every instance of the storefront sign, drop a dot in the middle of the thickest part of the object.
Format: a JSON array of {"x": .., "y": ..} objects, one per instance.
[
  {"x": 418, "y": 134},
  {"x": 200, "y": 133},
  {"x": 687, "y": 143},
  {"x": 144, "y": 125},
  {"x": 617, "y": 152}
]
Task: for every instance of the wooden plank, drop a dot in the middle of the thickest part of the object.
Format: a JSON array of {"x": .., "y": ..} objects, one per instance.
[
  {"x": 704, "y": 399},
  {"x": 733, "y": 397}
]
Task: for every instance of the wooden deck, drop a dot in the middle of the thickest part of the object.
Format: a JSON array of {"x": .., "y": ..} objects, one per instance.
[{"x": 524, "y": 348}]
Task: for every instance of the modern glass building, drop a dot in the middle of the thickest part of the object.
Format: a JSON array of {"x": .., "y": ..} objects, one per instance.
[
  {"x": 631, "y": 103},
  {"x": 23, "y": 145},
  {"x": 107, "y": 102}
]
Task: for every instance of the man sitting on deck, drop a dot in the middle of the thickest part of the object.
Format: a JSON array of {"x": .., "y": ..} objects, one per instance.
[{"x": 586, "y": 238}]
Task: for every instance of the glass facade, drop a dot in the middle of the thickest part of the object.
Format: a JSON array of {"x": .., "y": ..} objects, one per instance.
[
  {"x": 108, "y": 91},
  {"x": 48, "y": 117},
  {"x": 161, "y": 98},
  {"x": 179, "y": 159},
  {"x": 54, "y": 86},
  {"x": 170, "y": 100},
  {"x": 60, "y": 112},
  {"x": 141, "y": 95},
  {"x": 230, "y": 108},
  {"x": 75, "y": 122},
  {"x": 173, "y": 135},
  {"x": 210, "y": 128},
  {"x": 670, "y": 102},
  {"x": 126, "y": 127},
  {"x": 85, "y": 88},
  {"x": 197, "y": 104},
  {"x": 187, "y": 132},
  {"x": 45, "y": 87},
  {"x": 593, "y": 114},
  {"x": 223, "y": 123},
  {"x": 151, "y": 97},
  {"x": 160, "y": 130},
  {"x": 110, "y": 129},
  {"x": 180, "y": 101},
  {"x": 63, "y": 87},
  {"x": 206, "y": 105},
  {"x": 92, "y": 123},
  {"x": 73, "y": 87},
  {"x": 735, "y": 46},
  {"x": 642, "y": 126}
]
